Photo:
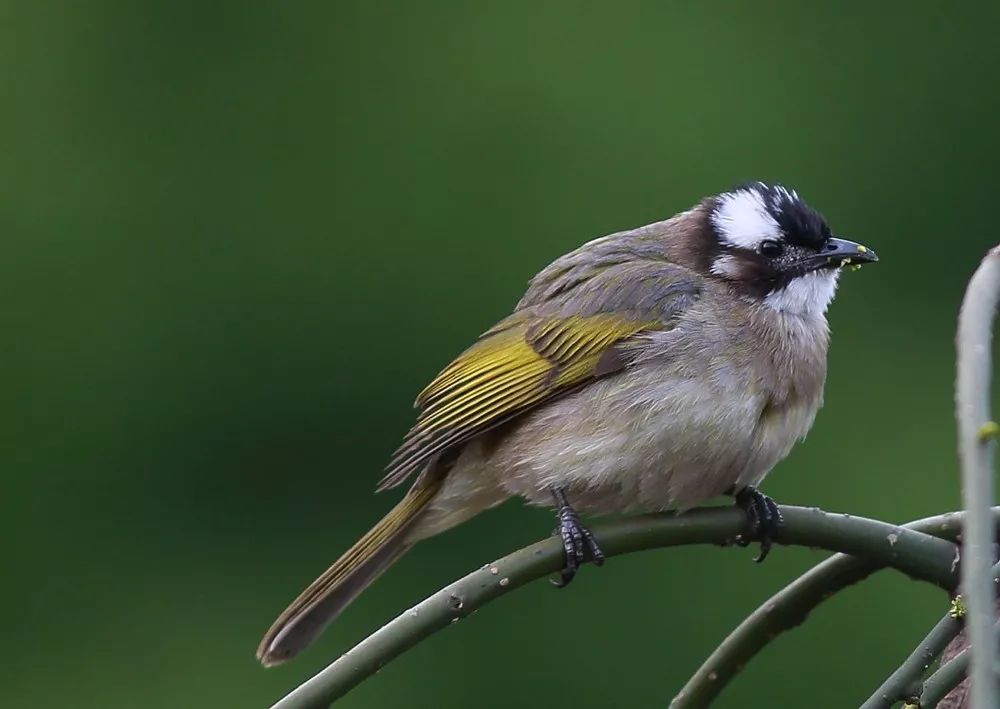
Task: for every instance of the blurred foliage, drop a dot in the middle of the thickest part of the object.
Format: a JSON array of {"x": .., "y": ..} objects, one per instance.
[{"x": 240, "y": 236}]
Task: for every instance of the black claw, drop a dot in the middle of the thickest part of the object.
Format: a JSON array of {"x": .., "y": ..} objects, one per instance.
[
  {"x": 763, "y": 519},
  {"x": 579, "y": 544}
]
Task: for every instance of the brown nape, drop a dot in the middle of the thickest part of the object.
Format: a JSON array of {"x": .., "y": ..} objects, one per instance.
[{"x": 692, "y": 241}]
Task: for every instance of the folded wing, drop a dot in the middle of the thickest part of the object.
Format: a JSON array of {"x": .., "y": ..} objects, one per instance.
[{"x": 540, "y": 352}]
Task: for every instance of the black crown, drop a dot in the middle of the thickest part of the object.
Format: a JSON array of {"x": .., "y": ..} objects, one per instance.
[{"x": 800, "y": 224}]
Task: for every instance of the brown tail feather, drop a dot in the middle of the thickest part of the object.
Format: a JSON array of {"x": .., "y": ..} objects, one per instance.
[{"x": 327, "y": 596}]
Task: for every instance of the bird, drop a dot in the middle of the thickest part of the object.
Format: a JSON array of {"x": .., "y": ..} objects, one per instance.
[{"x": 649, "y": 370}]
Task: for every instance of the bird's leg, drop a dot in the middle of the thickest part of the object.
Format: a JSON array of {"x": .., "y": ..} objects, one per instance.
[
  {"x": 578, "y": 542},
  {"x": 763, "y": 516}
]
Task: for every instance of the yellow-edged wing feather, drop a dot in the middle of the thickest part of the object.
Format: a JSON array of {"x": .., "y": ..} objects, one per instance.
[{"x": 515, "y": 366}]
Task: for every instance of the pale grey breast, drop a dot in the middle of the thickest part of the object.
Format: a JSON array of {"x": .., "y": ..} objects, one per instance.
[{"x": 709, "y": 405}]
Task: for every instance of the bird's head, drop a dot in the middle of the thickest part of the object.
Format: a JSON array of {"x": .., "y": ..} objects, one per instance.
[{"x": 771, "y": 246}]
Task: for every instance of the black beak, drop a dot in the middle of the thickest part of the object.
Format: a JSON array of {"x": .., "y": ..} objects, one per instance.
[{"x": 841, "y": 252}]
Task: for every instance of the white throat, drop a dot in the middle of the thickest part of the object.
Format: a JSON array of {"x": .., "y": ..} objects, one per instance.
[{"x": 806, "y": 295}]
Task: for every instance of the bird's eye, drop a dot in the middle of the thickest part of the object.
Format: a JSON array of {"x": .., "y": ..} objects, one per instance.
[{"x": 770, "y": 248}]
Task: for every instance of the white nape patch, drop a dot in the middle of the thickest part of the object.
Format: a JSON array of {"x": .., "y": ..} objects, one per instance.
[
  {"x": 726, "y": 266},
  {"x": 742, "y": 220},
  {"x": 806, "y": 295}
]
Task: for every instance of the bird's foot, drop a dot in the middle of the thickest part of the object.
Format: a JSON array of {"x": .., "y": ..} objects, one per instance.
[
  {"x": 763, "y": 517},
  {"x": 579, "y": 544}
]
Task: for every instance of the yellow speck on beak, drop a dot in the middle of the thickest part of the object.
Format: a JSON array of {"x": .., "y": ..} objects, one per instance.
[{"x": 862, "y": 249}]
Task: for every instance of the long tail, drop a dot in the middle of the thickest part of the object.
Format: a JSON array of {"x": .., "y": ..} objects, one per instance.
[{"x": 327, "y": 596}]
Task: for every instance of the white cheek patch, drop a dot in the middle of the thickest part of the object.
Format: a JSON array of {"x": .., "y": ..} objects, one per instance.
[
  {"x": 806, "y": 295},
  {"x": 742, "y": 220},
  {"x": 726, "y": 266}
]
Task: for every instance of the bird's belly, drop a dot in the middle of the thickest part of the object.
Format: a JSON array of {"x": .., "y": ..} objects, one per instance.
[{"x": 647, "y": 440}]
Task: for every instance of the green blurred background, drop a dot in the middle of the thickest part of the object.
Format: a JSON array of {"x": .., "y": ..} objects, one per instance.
[{"x": 239, "y": 236}]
